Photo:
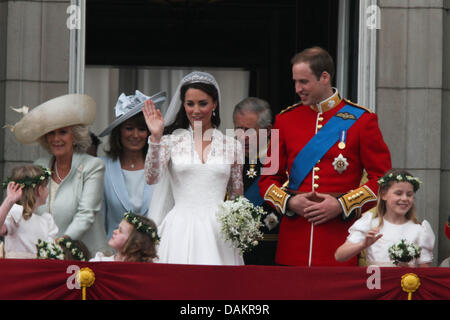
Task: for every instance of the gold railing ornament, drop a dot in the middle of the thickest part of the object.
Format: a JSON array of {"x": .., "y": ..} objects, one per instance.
[
  {"x": 86, "y": 278},
  {"x": 410, "y": 283}
]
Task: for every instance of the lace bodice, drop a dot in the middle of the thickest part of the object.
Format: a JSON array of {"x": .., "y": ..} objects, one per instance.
[{"x": 190, "y": 177}]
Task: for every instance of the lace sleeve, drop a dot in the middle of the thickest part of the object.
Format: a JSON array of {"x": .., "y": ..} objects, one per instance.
[
  {"x": 158, "y": 156},
  {"x": 236, "y": 184}
]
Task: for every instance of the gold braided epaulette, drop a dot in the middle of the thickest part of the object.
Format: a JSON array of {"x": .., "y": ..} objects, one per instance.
[
  {"x": 358, "y": 106},
  {"x": 290, "y": 108}
]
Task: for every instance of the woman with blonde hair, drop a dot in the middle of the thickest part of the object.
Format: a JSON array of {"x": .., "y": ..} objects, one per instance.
[{"x": 60, "y": 125}]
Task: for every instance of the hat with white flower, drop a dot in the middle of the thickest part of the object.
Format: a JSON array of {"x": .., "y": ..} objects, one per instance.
[{"x": 129, "y": 106}]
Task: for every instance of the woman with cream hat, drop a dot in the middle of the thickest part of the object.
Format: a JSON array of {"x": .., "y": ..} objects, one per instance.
[
  {"x": 60, "y": 126},
  {"x": 125, "y": 188}
]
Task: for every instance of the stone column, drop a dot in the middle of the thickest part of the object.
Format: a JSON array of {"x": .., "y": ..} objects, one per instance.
[
  {"x": 34, "y": 66},
  {"x": 410, "y": 93}
]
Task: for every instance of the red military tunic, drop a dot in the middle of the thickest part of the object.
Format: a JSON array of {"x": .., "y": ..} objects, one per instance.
[{"x": 300, "y": 243}]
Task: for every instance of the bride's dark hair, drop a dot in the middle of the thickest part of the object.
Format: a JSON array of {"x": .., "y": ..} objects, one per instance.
[{"x": 181, "y": 119}]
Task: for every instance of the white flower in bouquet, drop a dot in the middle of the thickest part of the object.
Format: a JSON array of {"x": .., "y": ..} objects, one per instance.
[
  {"x": 240, "y": 223},
  {"x": 404, "y": 251},
  {"x": 49, "y": 250}
]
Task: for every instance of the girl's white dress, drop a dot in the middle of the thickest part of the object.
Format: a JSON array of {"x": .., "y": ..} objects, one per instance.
[
  {"x": 190, "y": 231},
  {"x": 22, "y": 235},
  {"x": 377, "y": 254},
  {"x": 100, "y": 256}
]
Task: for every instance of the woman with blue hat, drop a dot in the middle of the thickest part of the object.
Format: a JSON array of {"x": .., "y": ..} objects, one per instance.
[{"x": 125, "y": 188}]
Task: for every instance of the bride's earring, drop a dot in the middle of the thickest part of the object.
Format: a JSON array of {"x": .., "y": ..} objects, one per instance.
[{"x": 214, "y": 113}]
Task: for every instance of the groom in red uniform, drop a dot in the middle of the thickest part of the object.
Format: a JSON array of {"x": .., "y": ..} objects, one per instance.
[{"x": 325, "y": 143}]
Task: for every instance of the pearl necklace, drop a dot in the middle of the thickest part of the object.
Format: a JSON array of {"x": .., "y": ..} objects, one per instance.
[{"x": 56, "y": 171}]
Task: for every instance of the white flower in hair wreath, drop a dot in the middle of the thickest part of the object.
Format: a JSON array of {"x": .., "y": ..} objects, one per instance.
[
  {"x": 401, "y": 178},
  {"x": 77, "y": 253},
  {"x": 136, "y": 221},
  {"x": 28, "y": 182}
]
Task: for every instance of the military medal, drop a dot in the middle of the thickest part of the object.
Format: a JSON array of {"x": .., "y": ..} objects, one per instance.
[
  {"x": 340, "y": 163},
  {"x": 251, "y": 173},
  {"x": 341, "y": 144}
]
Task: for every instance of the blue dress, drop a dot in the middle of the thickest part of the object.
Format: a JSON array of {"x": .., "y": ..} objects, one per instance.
[{"x": 116, "y": 200}]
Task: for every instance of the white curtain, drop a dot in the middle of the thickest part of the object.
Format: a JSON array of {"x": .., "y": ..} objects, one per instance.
[{"x": 105, "y": 84}]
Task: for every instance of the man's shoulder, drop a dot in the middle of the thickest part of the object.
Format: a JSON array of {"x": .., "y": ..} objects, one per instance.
[
  {"x": 357, "y": 105},
  {"x": 290, "y": 108}
]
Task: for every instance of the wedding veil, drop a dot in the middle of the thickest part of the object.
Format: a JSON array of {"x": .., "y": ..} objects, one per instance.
[{"x": 162, "y": 199}]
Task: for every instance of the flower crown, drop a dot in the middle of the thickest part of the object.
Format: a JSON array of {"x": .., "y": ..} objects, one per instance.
[
  {"x": 140, "y": 225},
  {"x": 76, "y": 252},
  {"x": 400, "y": 178},
  {"x": 29, "y": 182}
]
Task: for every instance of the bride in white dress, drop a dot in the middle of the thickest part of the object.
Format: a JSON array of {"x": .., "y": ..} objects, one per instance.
[{"x": 195, "y": 165}]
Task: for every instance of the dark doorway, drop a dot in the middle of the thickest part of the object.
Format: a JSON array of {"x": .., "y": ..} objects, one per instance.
[{"x": 259, "y": 36}]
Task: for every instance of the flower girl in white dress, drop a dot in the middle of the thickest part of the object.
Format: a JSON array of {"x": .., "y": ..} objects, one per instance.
[
  {"x": 395, "y": 220},
  {"x": 19, "y": 223},
  {"x": 134, "y": 240},
  {"x": 195, "y": 165}
]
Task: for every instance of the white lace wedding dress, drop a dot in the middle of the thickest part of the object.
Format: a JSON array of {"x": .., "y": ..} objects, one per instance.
[{"x": 190, "y": 231}]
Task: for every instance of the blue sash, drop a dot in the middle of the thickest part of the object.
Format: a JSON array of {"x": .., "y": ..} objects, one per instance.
[
  {"x": 252, "y": 194},
  {"x": 319, "y": 145}
]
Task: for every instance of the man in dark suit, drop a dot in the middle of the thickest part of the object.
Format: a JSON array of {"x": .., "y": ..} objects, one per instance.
[{"x": 252, "y": 121}]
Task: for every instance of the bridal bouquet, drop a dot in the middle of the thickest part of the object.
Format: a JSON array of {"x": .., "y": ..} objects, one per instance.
[
  {"x": 404, "y": 251},
  {"x": 241, "y": 222},
  {"x": 49, "y": 250}
]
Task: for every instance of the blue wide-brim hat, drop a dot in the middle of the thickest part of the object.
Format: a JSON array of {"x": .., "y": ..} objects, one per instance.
[{"x": 129, "y": 106}]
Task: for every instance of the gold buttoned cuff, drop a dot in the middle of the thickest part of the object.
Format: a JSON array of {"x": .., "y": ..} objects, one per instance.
[
  {"x": 277, "y": 197},
  {"x": 355, "y": 199}
]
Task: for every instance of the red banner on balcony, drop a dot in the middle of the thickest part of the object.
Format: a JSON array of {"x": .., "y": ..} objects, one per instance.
[{"x": 51, "y": 279}]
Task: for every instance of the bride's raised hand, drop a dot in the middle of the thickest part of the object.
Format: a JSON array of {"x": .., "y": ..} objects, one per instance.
[{"x": 154, "y": 121}]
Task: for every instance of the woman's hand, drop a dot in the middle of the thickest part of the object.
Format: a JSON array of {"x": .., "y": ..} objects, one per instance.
[
  {"x": 371, "y": 237},
  {"x": 14, "y": 192},
  {"x": 154, "y": 121}
]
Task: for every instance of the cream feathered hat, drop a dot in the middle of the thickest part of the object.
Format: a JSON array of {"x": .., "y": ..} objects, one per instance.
[{"x": 60, "y": 112}]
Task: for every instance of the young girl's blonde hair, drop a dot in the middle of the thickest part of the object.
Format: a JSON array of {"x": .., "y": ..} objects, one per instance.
[
  {"x": 141, "y": 246},
  {"x": 386, "y": 185},
  {"x": 28, "y": 199}
]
